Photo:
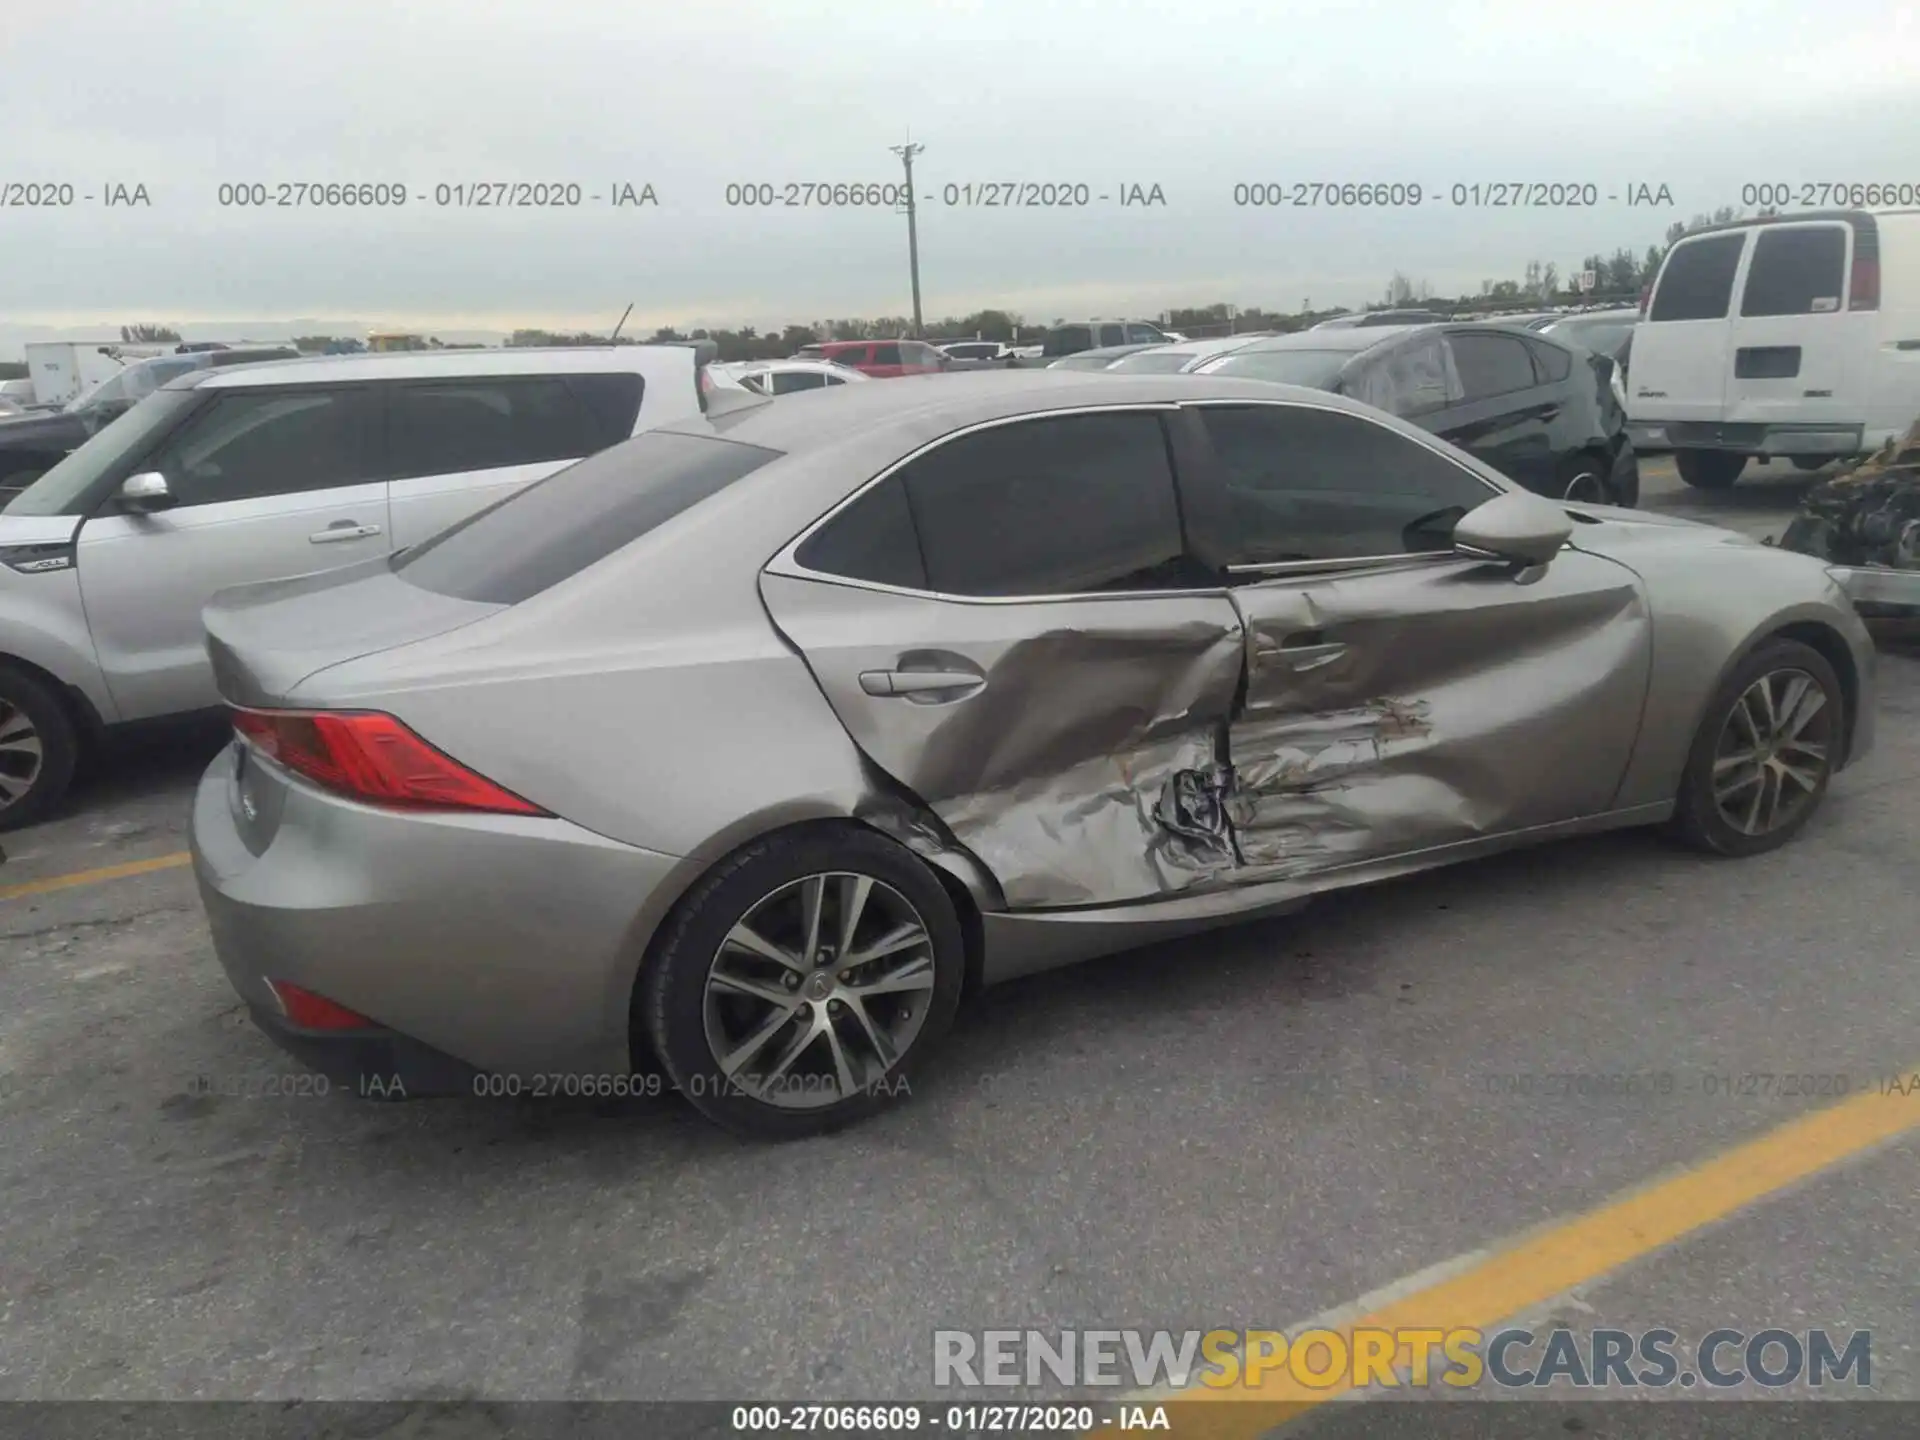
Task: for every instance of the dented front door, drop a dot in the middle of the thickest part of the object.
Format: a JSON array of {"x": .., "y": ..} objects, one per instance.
[
  {"x": 1070, "y": 744},
  {"x": 1398, "y": 706}
]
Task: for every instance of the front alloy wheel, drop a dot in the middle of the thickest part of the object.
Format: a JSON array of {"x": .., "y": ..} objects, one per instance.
[
  {"x": 800, "y": 984},
  {"x": 38, "y": 749},
  {"x": 1765, "y": 751}
]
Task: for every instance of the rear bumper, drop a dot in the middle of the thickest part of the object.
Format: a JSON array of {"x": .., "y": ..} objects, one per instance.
[
  {"x": 1747, "y": 438},
  {"x": 500, "y": 943}
]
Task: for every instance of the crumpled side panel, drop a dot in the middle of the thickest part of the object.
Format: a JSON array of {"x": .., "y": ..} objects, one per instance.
[
  {"x": 1461, "y": 707},
  {"x": 1082, "y": 765},
  {"x": 1868, "y": 514},
  {"x": 1061, "y": 792}
]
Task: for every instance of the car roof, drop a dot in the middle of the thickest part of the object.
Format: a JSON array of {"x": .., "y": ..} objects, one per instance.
[
  {"x": 1350, "y": 338},
  {"x": 1211, "y": 345},
  {"x": 939, "y": 404},
  {"x": 1116, "y": 352},
  {"x": 655, "y": 360}
]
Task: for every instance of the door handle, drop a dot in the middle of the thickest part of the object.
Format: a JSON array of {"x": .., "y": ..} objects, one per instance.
[
  {"x": 342, "y": 530},
  {"x": 924, "y": 685}
]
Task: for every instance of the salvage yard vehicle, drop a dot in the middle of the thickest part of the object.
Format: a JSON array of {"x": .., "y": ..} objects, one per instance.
[
  {"x": 1101, "y": 358},
  {"x": 1184, "y": 355},
  {"x": 753, "y": 743},
  {"x": 1542, "y": 413},
  {"x": 1792, "y": 336},
  {"x": 878, "y": 359},
  {"x": 232, "y": 475}
]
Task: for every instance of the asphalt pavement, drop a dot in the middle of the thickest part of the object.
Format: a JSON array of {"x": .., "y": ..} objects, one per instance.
[{"x": 1249, "y": 1128}]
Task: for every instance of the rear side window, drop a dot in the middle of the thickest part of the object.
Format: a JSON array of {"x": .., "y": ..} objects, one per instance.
[
  {"x": 872, "y": 539},
  {"x": 484, "y": 423},
  {"x": 1113, "y": 334},
  {"x": 558, "y": 526},
  {"x": 1067, "y": 340},
  {"x": 1696, "y": 283},
  {"x": 1491, "y": 365},
  {"x": 1550, "y": 361},
  {"x": 1068, "y": 505},
  {"x": 852, "y": 355},
  {"x": 1796, "y": 271},
  {"x": 785, "y": 382},
  {"x": 613, "y": 400},
  {"x": 886, "y": 354}
]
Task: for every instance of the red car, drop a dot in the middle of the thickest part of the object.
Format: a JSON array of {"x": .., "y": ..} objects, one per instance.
[{"x": 882, "y": 359}]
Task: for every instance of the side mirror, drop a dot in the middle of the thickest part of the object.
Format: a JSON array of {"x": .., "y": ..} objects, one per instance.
[
  {"x": 1517, "y": 528},
  {"x": 145, "y": 493}
]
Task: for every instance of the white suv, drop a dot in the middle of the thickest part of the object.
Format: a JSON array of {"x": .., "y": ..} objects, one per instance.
[{"x": 226, "y": 477}]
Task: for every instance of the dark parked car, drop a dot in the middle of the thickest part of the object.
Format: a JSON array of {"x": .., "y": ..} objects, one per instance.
[
  {"x": 1374, "y": 319},
  {"x": 1543, "y": 413},
  {"x": 32, "y": 444},
  {"x": 1073, "y": 337}
]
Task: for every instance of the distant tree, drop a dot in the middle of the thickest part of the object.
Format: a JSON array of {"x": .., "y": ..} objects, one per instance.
[
  {"x": 1549, "y": 280},
  {"x": 148, "y": 334},
  {"x": 1650, "y": 267},
  {"x": 314, "y": 344}
]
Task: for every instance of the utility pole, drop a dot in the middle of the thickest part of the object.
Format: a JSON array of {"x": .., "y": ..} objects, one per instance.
[{"x": 906, "y": 153}]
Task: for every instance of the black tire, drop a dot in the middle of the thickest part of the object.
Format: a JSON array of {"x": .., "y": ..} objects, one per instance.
[
  {"x": 1709, "y": 469},
  {"x": 1625, "y": 478},
  {"x": 1699, "y": 820},
  {"x": 26, "y": 701},
  {"x": 673, "y": 997}
]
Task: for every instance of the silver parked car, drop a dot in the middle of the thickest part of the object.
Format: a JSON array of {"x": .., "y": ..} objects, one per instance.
[
  {"x": 754, "y": 742},
  {"x": 225, "y": 476}
]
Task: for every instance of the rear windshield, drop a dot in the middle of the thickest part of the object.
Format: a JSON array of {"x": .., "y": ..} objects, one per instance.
[
  {"x": 558, "y": 526},
  {"x": 1153, "y": 362},
  {"x": 1797, "y": 271},
  {"x": 1317, "y": 368},
  {"x": 1697, "y": 281}
]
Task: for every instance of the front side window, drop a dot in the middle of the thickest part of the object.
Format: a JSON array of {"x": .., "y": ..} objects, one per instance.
[
  {"x": 447, "y": 427},
  {"x": 1551, "y": 362},
  {"x": 1800, "y": 270},
  {"x": 1143, "y": 335},
  {"x": 886, "y": 354},
  {"x": 1072, "y": 504},
  {"x": 1411, "y": 379},
  {"x": 1310, "y": 484},
  {"x": 74, "y": 485},
  {"x": 1696, "y": 283},
  {"x": 1113, "y": 334},
  {"x": 1067, "y": 339},
  {"x": 252, "y": 443}
]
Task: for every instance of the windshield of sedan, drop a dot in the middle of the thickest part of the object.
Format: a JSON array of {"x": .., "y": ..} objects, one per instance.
[
  {"x": 1317, "y": 368},
  {"x": 64, "y": 490}
]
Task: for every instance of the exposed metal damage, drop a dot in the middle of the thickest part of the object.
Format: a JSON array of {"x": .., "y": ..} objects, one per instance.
[{"x": 1867, "y": 519}]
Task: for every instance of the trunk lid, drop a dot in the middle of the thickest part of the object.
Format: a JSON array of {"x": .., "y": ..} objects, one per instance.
[{"x": 265, "y": 639}]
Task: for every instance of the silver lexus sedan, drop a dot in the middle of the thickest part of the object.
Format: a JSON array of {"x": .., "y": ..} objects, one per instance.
[{"x": 730, "y": 759}]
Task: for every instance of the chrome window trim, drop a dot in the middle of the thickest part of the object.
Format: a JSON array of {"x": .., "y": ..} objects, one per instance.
[{"x": 785, "y": 564}]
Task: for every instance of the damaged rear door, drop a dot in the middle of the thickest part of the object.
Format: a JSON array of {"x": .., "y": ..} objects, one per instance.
[
  {"x": 1009, "y": 625},
  {"x": 1400, "y": 697}
]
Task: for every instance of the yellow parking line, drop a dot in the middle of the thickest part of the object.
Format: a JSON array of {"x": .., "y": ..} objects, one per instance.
[
  {"x": 88, "y": 877},
  {"x": 1552, "y": 1261}
]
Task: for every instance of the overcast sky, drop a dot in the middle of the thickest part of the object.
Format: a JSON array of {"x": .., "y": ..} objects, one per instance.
[{"x": 1195, "y": 96}]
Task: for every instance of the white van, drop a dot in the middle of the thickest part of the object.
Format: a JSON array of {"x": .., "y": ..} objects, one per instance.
[{"x": 1795, "y": 336}]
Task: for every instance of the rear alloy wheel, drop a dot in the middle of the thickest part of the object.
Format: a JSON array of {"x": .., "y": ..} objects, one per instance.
[
  {"x": 38, "y": 748},
  {"x": 1709, "y": 469},
  {"x": 803, "y": 981},
  {"x": 1765, "y": 752}
]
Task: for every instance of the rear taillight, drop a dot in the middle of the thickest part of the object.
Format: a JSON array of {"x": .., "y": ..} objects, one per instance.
[
  {"x": 315, "y": 1012},
  {"x": 1863, "y": 291},
  {"x": 372, "y": 757}
]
